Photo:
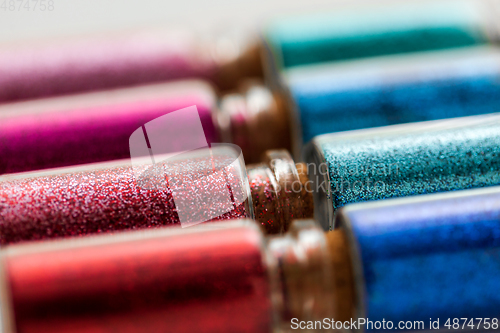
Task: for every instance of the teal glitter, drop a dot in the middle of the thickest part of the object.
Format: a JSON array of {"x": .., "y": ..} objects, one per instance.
[
  {"x": 373, "y": 31},
  {"x": 405, "y": 160}
]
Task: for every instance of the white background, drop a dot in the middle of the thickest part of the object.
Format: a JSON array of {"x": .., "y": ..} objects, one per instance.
[{"x": 74, "y": 17}]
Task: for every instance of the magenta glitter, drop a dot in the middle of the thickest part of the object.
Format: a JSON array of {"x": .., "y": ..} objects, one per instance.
[
  {"x": 107, "y": 197},
  {"x": 93, "y": 127},
  {"x": 34, "y": 69}
]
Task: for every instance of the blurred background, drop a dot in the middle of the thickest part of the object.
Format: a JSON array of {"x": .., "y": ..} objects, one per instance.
[{"x": 90, "y": 16}]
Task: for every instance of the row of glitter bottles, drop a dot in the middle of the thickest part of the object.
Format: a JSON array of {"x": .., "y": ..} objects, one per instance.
[
  {"x": 422, "y": 260},
  {"x": 343, "y": 168},
  {"x": 380, "y": 248}
]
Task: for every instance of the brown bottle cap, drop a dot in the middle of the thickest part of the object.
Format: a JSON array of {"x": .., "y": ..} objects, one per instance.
[
  {"x": 342, "y": 274},
  {"x": 255, "y": 119},
  {"x": 280, "y": 192},
  {"x": 239, "y": 56},
  {"x": 263, "y": 188}
]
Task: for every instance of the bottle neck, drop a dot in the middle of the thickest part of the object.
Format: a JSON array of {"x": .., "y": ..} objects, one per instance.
[
  {"x": 489, "y": 12},
  {"x": 280, "y": 191},
  {"x": 238, "y": 55},
  {"x": 255, "y": 119},
  {"x": 343, "y": 276},
  {"x": 7, "y": 322},
  {"x": 311, "y": 275}
]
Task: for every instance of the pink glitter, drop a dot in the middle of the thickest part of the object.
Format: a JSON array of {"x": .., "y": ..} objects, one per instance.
[
  {"x": 103, "y": 199},
  {"x": 93, "y": 127},
  {"x": 67, "y": 66}
]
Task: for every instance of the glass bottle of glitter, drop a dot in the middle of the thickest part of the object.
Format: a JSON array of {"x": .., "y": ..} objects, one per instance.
[
  {"x": 94, "y": 127},
  {"x": 365, "y": 93},
  {"x": 374, "y": 29},
  {"x": 89, "y": 63},
  {"x": 402, "y": 160},
  {"x": 407, "y": 259},
  {"x": 426, "y": 258},
  {"x": 184, "y": 189},
  {"x": 216, "y": 278}
]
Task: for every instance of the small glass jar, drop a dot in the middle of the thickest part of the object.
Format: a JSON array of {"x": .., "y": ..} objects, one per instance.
[
  {"x": 425, "y": 251},
  {"x": 162, "y": 190},
  {"x": 95, "y": 127},
  {"x": 342, "y": 96},
  {"x": 218, "y": 277},
  {"x": 103, "y": 126},
  {"x": 78, "y": 64},
  {"x": 402, "y": 160},
  {"x": 369, "y": 30}
]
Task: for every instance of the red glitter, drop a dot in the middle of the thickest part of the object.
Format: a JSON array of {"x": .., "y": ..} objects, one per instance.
[
  {"x": 103, "y": 199},
  {"x": 264, "y": 198},
  {"x": 164, "y": 281}
]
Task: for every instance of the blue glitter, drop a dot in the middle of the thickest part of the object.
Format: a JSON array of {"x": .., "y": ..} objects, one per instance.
[
  {"x": 395, "y": 89},
  {"x": 434, "y": 256},
  {"x": 405, "y": 160},
  {"x": 376, "y": 30}
]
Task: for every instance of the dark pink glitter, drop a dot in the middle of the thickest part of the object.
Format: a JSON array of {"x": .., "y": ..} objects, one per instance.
[
  {"x": 107, "y": 199},
  {"x": 93, "y": 127}
]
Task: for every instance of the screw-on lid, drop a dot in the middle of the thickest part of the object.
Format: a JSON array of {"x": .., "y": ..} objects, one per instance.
[
  {"x": 280, "y": 191},
  {"x": 238, "y": 56},
  {"x": 255, "y": 119}
]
